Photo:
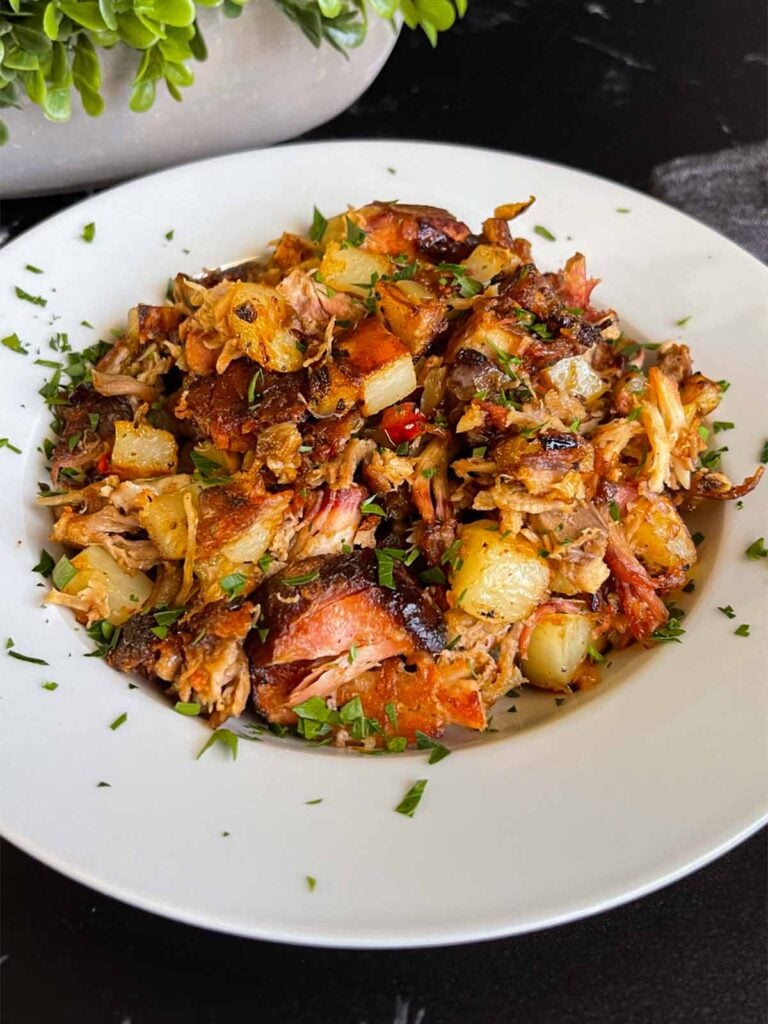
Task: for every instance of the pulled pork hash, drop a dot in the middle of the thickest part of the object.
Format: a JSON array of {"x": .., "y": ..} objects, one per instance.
[{"x": 369, "y": 484}]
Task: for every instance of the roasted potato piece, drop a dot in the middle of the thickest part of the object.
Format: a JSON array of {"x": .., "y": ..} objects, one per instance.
[
  {"x": 165, "y": 520},
  {"x": 497, "y": 577},
  {"x": 486, "y": 261},
  {"x": 700, "y": 395},
  {"x": 575, "y": 376},
  {"x": 143, "y": 451},
  {"x": 352, "y": 270},
  {"x": 557, "y": 646},
  {"x": 657, "y": 534},
  {"x": 262, "y": 327},
  {"x": 370, "y": 365},
  {"x": 410, "y": 311},
  {"x": 99, "y": 574}
]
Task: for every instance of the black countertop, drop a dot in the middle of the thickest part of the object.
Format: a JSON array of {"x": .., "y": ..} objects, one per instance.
[{"x": 614, "y": 87}]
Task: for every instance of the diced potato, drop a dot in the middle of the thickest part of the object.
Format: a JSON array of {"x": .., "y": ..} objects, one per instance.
[
  {"x": 500, "y": 578},
  {"x": 165, "y": 520},
  {"x": 351, "y": 270},
  {"x": 700, "y": 396},
  {"x": 125, "y": 591},
  {"x": 657, "y": 534},
  {"x": 558, "y": 645},
  {"x": 261, "y": 322},
  {"x": 143, "y": 450},
  {"x": 370, "y": 365},
  {"x": 410, "y": 311},
  {"x": 575, "y": 376},
  {"x": 486, "y": 261}
]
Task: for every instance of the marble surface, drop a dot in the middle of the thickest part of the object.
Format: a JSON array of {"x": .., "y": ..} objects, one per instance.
[{"x": 615, "y": 87}]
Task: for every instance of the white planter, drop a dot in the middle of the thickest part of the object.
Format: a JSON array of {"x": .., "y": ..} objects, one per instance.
[{"x": 262, "y": 82}]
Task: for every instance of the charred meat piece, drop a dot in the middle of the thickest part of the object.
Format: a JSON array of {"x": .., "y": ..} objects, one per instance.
[
  {"x": 472, "y": 374},
  {"x": 89, "y": 429},
  {"x": 427, "y": 231},
  {"x": 218, "y": 405},
  {"x": 320, "y": 607}
]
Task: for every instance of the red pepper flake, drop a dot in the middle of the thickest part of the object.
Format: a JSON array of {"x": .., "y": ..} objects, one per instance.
[{"x": 102, "y": 466}]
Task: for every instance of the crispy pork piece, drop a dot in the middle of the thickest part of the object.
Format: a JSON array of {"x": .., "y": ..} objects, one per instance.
[
  {"x": 218, "y": 406},
  {"x": 89, "y": 429},
  {"x": 396, "y": 229}
]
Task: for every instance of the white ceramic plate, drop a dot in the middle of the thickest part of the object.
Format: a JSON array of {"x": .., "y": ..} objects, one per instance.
[{"x": 569, "y": 809}]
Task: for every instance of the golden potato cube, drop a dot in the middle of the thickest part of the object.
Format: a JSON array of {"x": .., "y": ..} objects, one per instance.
[
  {"x": 352, "y": 270},
  {"x": 262, "y": 321},
  {"x": 558, "y": 645},
  {"x": 143, "y": 451},
  {"x": 410, "y": 311},
  {"x": 657, "y": 534},
  {"x": 500, "y": 578},
  {"x": 125, "y": 591}
]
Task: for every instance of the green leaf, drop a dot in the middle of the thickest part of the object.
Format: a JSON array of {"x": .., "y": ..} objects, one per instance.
[
  {"x": 412, "y": 798},
  {"x": 63, "y": 572},
  {"x": 36, "y": 300},
  {"x": 52, "y": 20},
  {"x": 107, "y": 12},
  {"x": 13, "y": 342},
  {"x": 224, "y": 736},
  {"x": 197, "y": 44},
  {"x": 757, "y": 550},
  {"x": 85, "y": 13},
  {"x": 330, "y": 8},
  {"x": 32, "y": 41},
  {"x": 120, "y": 720},
  {"x": 298, "y": 581},
  {"x": 86, "y": 75},
  {"x": 424, "y": 742},
  {"x": 173, "y": 12},
  {"x": 439, "y": 13},
  {"x": 142, "y": 96},
  {"x": 89, "y": 232},
  {"x": 46, "y": 564},
  {"x": 319, "y": 225},
  {"x": 233, "y": 584},
  {"x": 3, "y": 133},
  {"x": 134, "y": 32},
  {"x": 544, "y": 233}
]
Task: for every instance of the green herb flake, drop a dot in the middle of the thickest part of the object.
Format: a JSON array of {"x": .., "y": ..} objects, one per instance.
[
  {"x": 33, "y": 269},
  {"x": 103, "y": 785},
  {"x": 46, "y": 564},
  {"x": 764, "y": 453},
  {"x": 615, "y": 512},
  {"x": 391, "y": 713},
  {"x": 189, "y": 708},
  {"x": 594, "y": 655},
  {"x": 697, "y": 538},
  {"x": 433, "y": 575},
  {"x": 311, "y": 883},
  {"x": 89, "y": 232},
  {"x": 36, "y": 300},
  {"x": 313, "y": 803},
  {"x": 479, "y": 453},
  {"x": 559, "y": 701},
  {"x": 428, "y": 473},
  {"x": 84, "y": 323},
  {"x": 355, "y": 235},
  {"x": 742, "y": 630},
  {"x": 682, "y": 321},
  {"x": 711, "y": 459},
  {"x": 233, "y": 584},
  {"x": 671, "y": 631},
  {"x": 221, "y": 736},
  {"x": 120, "y": 720},
  {"x": 207, "y": 471},
  {"x": 757, "y": 550},
  {"x": 689, "y": 587},
  {"x": 14, "y": 343},
  {"x": 543, "y": 232},
  {"x": 63, "y": 572},
  {"x": 727, "y": 611},
  {"x": 319, "y": 225},
  {"x": 299, "y": 581},
  {"x": 623, "y": 209},
  {"x": 50, "y": 685},
  {"x": 370, "y": 508},
  {"x": 256, "y": 380},
  {"x": 169, "y": 235},
  {"x": 352, "y": 656},
  {"x": 5, "y": 443},
  {"x": 264, "y": 562},
  {"x": 424, "y": 742},
  {"x": 720, "y": 425},
  {"x": 412, "y": 798}
]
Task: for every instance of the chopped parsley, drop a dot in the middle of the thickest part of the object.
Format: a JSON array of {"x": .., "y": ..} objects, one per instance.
[
  {"x": 451, "y": 556},
  {"x": 370, "y": 508},
  {"x": 105, "y": 636},
  {"x": 742, "y": 630},
  {"x": 63, "y": 572},
  {"x": 355, "y": 235},
  {"x": 468, "y": 286},
  {"x": 312, "y": 803},
  {"x": 233, "y": 584},
  {"x": 412, "y": 798},
  {"x": 615, "y": 512},
  {"x": 438, "y": 751},
  {"x": 697, "y": 538},
  {"x": 298, "y": 581},
  {"x": 221, "y": 736},
  {"x": 720, "y": 425},
  {"x": 36, "y": 300},
  {"x": 544, "y": 233},
  {"x": 757, "y": 550},
  {"x": 256, "y": 380},
  {"x": 682, "y": 321},
  {"x": 727, "y": 611},
  {"x": 21, "y": 657},
  {"x": 319, "y": 224},
  {"x": 208, "y": 472},
  {"x": 623, "y": 209},
  {"x": 311, "y": 882},
  {"x": 594, "y": 655},
  {"x": 5, "y": 443},
  {"x": 190, "y": 708},
  {"x": 711, "y": 459},
  {"x": 169, "y": 235},
  {"x": 46, "y": 564},
  {"x": 103, "y": 785},
  {"x": 764, "y": 453},
  {"x": 264, "y": 562},
  {"x": 50, "y": 685},
  {"x": 428, "y": 473},
  {"x": 14, "y": 343},
  {"x": 391, "y": 713},
  {"x": 89, "y": 232},
  {"x": 33, "y": 269},
  {"x": 352, "y": 656},
  {"x": 433, "y": 575},
  {"x": 671, "y": 631},
  {"x": 120, "y": 720}
]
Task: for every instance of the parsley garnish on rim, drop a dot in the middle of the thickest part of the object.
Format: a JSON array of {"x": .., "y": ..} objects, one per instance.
[
  {"x": 36, "y": 300},
  {"x": 412, "y": 798},
  {"x": 742, "y": 630},
  {"x": 682, "y": 321},
  {"x": 727, "y": 611},
  {"x": 757, "y": 550},
  {"x": 543, "y": 232},
  {"x": 13, "y": 342},
  {"x": 50, "y": 685},
  {"x": 120, "y": 720},
  {"x": 370, "y": 508},
  {"x": 46, "y": 564},
  {"x": 319, "y": 224},
  {"x": 9, "y": 644},
  {"x": 222, "y": 736},
  {"x": 311, "y": 882},
  {"x": 438, "y": 751},
  {"x": 764, "y": 453},
  {"x": 671, "y": 631},
  {"x": 89, "y": 232},
  {"x": 63, "y": 573},
  {"x": 355, "y": 235},
  {"x": 5, "y": 443}
]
